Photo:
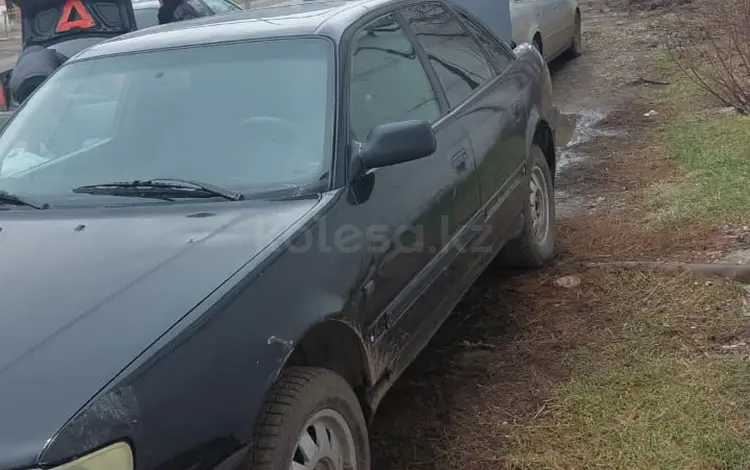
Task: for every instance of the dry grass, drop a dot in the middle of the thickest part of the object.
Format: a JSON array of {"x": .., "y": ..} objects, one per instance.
[{"x": 601, "y": 237}]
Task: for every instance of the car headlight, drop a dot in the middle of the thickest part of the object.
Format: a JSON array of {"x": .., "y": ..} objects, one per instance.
[{"x": 115, "y": 457}]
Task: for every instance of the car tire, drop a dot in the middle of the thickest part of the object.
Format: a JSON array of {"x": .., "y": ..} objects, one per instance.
[
  {"x": 576, "y": 44},
  {"x": 530, "y": 249},
  {"x": 310, "y": 416}
]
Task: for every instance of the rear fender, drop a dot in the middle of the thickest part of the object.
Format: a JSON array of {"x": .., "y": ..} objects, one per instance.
[{"x": 542, "y": 100}]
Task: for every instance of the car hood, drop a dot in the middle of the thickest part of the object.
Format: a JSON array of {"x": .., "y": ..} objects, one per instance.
[{"x": 81, "y": 296}]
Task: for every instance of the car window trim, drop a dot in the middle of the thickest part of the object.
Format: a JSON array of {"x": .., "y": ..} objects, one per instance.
[
  {"x": 437, "y": 87},
  {"x": 457, "y": 16},
  {"x": 343, "y": 153},
  {"x": 505, "y": 47},
  {"x": 473, "y": 93},
  {"x": 467, "y": 20}
]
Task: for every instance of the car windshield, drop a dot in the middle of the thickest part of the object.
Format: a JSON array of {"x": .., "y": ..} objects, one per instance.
[{"x": 250, "y": 117}]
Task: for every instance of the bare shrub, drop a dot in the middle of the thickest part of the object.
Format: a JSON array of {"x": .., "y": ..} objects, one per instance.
[{"x": 711, "y": 45}]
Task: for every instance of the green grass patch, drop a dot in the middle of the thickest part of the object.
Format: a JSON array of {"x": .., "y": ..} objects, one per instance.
[
  {"x": 656, "y": 396},
  {"x": 650, "y": 415},
  {"x": 715, "y": 152}
]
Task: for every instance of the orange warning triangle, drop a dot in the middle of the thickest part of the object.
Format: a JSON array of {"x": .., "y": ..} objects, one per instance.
[{"x": 84, "y": 20}]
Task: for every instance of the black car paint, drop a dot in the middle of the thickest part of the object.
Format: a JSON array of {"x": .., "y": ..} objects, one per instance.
[{"x": 165, "y": 325}]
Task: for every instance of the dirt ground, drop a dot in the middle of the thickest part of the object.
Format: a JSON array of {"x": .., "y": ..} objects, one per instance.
[{"x": 490, "y": 371}]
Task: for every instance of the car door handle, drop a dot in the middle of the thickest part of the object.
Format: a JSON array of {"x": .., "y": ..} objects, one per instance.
[{"x": 458, "y": 161}]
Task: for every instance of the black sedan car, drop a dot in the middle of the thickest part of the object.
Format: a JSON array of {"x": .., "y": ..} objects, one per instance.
[{"x": 222, "y": 240}]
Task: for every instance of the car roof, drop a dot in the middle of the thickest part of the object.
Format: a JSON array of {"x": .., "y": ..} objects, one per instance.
[{"x": 328, "y": 18}]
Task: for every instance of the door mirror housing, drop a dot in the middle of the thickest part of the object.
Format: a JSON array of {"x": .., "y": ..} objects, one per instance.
[{"x": 398, "y": 142}]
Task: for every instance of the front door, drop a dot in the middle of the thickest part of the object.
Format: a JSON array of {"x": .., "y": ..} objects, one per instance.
[{"x": 414, "y": 209}]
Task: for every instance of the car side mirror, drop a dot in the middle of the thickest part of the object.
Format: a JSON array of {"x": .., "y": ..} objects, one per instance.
[{"x": 398, "y": 142}]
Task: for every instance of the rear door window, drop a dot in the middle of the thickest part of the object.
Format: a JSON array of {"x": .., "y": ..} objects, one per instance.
[
  {"x": 496, "y": 52},
  {"x": 459, "y": 63}
]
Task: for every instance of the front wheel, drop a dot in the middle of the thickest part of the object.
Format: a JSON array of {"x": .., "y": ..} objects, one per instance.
[
  {"x": 535, "y": 247},
  {"x": 311, "y": 420}
]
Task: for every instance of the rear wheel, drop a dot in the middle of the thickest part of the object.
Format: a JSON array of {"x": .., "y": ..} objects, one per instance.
[
  {"x": 535, "y": 247},
  {"x": 311, "y": 420}
]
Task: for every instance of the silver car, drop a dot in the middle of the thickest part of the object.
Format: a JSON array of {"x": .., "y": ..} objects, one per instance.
[{"x": 553, "y": 26}]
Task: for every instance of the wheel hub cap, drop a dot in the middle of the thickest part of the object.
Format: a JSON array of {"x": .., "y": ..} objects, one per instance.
[
  {"x": 325, "y": 443},
  {"x": 539, "y": 204}
]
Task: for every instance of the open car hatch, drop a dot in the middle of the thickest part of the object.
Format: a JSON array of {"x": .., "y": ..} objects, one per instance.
[
  {"x": 49, "y": 22},
  {"x": 68, "y": 26}
]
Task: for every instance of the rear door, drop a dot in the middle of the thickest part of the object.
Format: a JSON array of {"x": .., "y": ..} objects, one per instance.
[
  {"x": 550, "y": 22},
  {"x": 497, "y": 129}
]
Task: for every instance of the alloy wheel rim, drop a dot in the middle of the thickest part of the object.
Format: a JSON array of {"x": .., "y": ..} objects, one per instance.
[
  {"x": 539, "y": 204},
  {"x": 325, "y": 443}
]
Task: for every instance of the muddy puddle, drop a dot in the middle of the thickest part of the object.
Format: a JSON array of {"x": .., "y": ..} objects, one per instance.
[
  {"x": 575, "y": 128},
  {"x": 578, "y": 127}
]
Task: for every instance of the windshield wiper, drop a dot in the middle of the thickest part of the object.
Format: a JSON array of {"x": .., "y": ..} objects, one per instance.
[
  {"x": 163, "y": 188},
  {"x": 9, "y": 198}
]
